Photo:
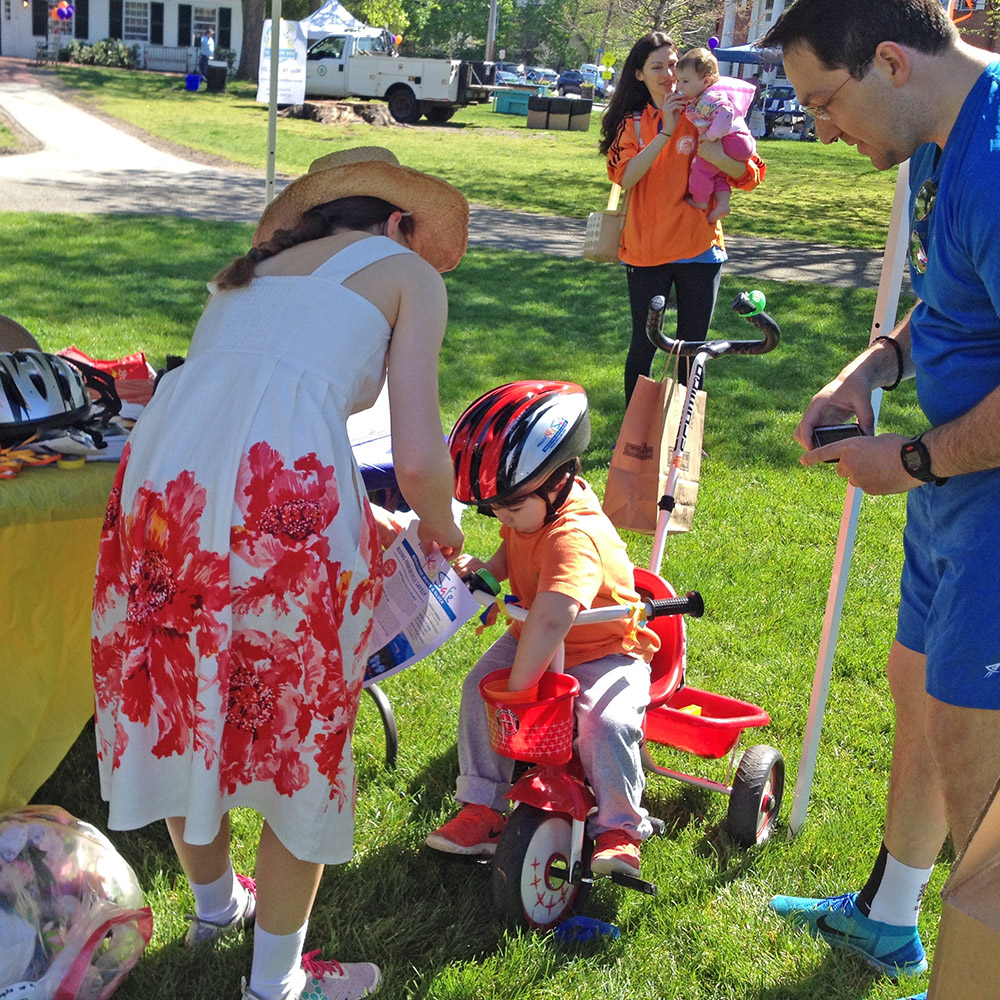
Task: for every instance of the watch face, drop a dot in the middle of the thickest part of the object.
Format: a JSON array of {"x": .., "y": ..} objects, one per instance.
[{"x": 916, "y": 460}]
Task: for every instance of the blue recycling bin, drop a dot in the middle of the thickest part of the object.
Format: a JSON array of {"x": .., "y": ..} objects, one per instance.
[{"x": 192, "y": 81}]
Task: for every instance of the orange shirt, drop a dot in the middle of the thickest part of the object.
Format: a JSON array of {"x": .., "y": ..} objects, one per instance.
[
  {"x": 661, "y": 226},
  {"x": 579, "y": 554}
]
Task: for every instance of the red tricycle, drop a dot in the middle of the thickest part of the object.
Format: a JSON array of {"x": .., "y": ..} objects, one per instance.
[{"x": 541, "y": 870}]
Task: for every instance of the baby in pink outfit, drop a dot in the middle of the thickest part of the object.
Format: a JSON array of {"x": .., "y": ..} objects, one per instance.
[{"x": 717, "y": 108}]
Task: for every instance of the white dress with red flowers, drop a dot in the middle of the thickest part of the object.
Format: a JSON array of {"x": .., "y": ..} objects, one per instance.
[{"x": 238, "y": 567}]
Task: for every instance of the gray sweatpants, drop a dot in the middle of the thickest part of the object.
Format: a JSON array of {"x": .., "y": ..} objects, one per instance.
[{"x": 614, "y": 693}]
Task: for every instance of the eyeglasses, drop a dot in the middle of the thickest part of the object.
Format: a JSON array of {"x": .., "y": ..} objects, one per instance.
[
  {"x": 822, "y": 111},
  {"x": 923, "y": 202}
]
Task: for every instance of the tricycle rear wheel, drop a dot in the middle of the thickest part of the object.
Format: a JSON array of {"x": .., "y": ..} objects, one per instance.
[{"x": 755, "y": 798}]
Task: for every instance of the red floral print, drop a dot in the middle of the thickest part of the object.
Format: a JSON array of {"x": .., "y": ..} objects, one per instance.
[
  {"x": 286, "y": 512},
  {"x": 174, "y": 592}
]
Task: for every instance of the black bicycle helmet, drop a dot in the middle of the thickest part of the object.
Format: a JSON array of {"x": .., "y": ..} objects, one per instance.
[
  {"x": 41, "y": 391},
  {"x": 513, "y": 438}
]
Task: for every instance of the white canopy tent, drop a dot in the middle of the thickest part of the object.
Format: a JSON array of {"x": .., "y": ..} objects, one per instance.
[{"x": 331, "y": 18}]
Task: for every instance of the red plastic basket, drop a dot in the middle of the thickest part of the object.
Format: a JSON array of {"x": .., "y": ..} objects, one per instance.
[
  {"x": 539, "y": 731},
  {"x": 713, "y": 732}
]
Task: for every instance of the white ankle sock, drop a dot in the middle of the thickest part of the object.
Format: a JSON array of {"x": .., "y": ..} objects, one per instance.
[
  {"x": 900, "y": 893},
  {"x": 219, "y": 901},
  {"x": 276, "y": 973}
]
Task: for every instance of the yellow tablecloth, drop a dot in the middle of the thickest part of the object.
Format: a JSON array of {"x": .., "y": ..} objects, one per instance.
[{"x": 50, "y": 526}]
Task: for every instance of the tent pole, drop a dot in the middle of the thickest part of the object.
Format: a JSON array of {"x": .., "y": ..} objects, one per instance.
[
  {"x": 886, "y": 307},
  {"x": 272, "y": 103}
]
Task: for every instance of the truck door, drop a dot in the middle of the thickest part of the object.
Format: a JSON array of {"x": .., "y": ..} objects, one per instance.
[{"x": 326, "y": 69}]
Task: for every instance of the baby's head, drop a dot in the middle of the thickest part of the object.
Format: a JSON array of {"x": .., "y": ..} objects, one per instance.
[{"x": 697, "y": 70}]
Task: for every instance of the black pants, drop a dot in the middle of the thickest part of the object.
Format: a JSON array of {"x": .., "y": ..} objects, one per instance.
[{"x": 696, "y": 287}]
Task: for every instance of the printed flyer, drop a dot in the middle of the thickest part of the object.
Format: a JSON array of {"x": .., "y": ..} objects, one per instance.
[{"x": 424, "y": 602}]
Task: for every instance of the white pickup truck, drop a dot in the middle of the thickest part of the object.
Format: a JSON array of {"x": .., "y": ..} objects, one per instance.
[{"x": 363, "y": 65}]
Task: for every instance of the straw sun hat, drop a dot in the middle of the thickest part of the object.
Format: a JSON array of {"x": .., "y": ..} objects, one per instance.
[{"x": 440, "y": 213}]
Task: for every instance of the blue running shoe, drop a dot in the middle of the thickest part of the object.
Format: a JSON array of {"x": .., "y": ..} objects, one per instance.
[{"x": 894, "y": 950}]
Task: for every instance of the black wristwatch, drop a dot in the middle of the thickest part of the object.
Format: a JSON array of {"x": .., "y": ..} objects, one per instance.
[{"x": 917, "y": 461}]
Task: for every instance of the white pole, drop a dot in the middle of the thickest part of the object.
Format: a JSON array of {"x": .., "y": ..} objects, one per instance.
[
  {"x": 886, "y": 306},
  {"x": 272, "y": 104}
]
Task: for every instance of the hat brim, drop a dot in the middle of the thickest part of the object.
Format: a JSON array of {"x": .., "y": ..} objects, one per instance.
[{"x": 440, "y": 212}]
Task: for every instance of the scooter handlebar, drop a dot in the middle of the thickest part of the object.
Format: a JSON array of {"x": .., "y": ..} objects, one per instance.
[{"x": 743, "y": 304}]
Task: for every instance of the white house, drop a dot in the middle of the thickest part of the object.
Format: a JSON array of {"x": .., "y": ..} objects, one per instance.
[{"x": 166, "y": 31}]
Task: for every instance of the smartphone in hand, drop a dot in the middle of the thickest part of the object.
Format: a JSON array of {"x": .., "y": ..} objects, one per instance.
[{"x": 835, "y": 432}]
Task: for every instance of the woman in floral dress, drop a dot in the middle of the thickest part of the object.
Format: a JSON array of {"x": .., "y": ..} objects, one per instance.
[{"x": 240, "y": 560}]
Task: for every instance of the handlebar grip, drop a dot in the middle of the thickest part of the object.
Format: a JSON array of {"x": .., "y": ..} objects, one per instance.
[
  {"x": 482, "y": 581},
  {"x": 690, "y": 604}
]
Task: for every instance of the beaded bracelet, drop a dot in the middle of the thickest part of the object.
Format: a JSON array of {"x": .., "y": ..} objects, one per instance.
[{"x": 899, "y": 360}]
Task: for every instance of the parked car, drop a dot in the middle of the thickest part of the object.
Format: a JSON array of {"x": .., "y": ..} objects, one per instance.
[
  {"x": 782, "y": 112},
  {"x": 504, "y": 78},
  {"x": 509, "y": 67},
  {"x": 539, "y": 74},
  {"x": 572, "y": 81}
]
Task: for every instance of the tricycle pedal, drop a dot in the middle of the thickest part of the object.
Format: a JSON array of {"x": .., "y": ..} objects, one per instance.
[{"x": 631, "y": 882}]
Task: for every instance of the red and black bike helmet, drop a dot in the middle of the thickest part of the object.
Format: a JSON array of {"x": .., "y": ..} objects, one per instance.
[{"x": 513, "y": 438}]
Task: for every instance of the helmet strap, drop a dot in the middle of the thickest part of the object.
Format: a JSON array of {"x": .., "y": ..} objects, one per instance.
[{"x": 568, "y": 473}]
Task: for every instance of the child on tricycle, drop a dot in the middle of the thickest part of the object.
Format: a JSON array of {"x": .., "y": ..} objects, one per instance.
[{"x": 516, "y": 453}]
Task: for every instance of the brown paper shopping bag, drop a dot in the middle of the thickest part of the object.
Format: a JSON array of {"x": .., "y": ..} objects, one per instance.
[
  {"x": 603, "y": 236},
  {"x": 641, "y": 461}
]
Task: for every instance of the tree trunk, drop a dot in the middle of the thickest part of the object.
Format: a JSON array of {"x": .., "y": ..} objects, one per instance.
[{"x": 254, "y": 12}]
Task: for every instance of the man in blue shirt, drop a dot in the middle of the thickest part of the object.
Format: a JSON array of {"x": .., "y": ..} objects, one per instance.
[
  {"x": 207, "y": 50},
  {"x": 893, "y": 79}
]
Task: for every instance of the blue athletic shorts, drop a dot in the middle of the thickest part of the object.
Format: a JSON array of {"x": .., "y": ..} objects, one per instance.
[{"x": 950, "y": 588}]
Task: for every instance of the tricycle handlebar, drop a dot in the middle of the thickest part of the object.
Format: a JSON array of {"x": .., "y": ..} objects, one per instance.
[
  {"x": 691, "y": 604},
  {"x": 744, "y": 304}
]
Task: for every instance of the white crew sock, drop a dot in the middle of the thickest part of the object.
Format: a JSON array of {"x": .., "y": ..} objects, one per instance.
[
  {"x": 276, "y": 973},
  {"x": 900, "y": 893},
  {"x": 220, "y": 901}
]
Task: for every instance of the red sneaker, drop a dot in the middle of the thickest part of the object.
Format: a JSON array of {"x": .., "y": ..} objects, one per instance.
[
  {"x": 615, "y": 851},
  {"x": 475, "y": 830}
]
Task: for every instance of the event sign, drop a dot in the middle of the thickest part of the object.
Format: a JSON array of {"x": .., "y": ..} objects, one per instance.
[{"x": 291, "y": 63}]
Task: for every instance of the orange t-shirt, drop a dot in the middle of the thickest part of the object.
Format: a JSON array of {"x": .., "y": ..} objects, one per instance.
[
  {"x": 579, "y": 554},
  {"x": 660, "y": 225}
]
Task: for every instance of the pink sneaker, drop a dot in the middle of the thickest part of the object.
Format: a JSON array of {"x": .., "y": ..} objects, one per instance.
[
  {"x": 200, "y": 931},
  {"x": 329, "y": 980},
  {"x": 475, "y": 830}
]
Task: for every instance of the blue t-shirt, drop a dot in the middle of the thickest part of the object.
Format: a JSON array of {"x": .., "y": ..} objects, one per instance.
[{"x": 955, "y": 329}]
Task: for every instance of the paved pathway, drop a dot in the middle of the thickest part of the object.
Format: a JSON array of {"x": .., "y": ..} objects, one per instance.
[{"x": 83, "y": 164}]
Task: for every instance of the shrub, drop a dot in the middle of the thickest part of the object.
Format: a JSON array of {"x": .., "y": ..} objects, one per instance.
[
  {"x": 229, "y": 55},
  {"x": 109, "y": 52}
]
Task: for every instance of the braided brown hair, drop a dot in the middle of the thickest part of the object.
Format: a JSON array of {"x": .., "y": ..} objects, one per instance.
[{"x": 360, "y": 213}]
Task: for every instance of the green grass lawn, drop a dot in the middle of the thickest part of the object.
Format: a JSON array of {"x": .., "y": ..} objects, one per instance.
[
  {"x": 8, "y": 141},
  {"x": 761, "y": 552},
  {"x": 814, "y": 193}
]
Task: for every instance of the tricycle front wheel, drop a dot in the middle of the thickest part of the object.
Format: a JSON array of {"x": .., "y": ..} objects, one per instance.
[{"x": 531, "y": 886}]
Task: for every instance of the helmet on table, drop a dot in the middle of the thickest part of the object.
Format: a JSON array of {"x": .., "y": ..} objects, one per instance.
[
  {"x": 514, "y": 438},
  {"x": 40, "y": 391}
]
